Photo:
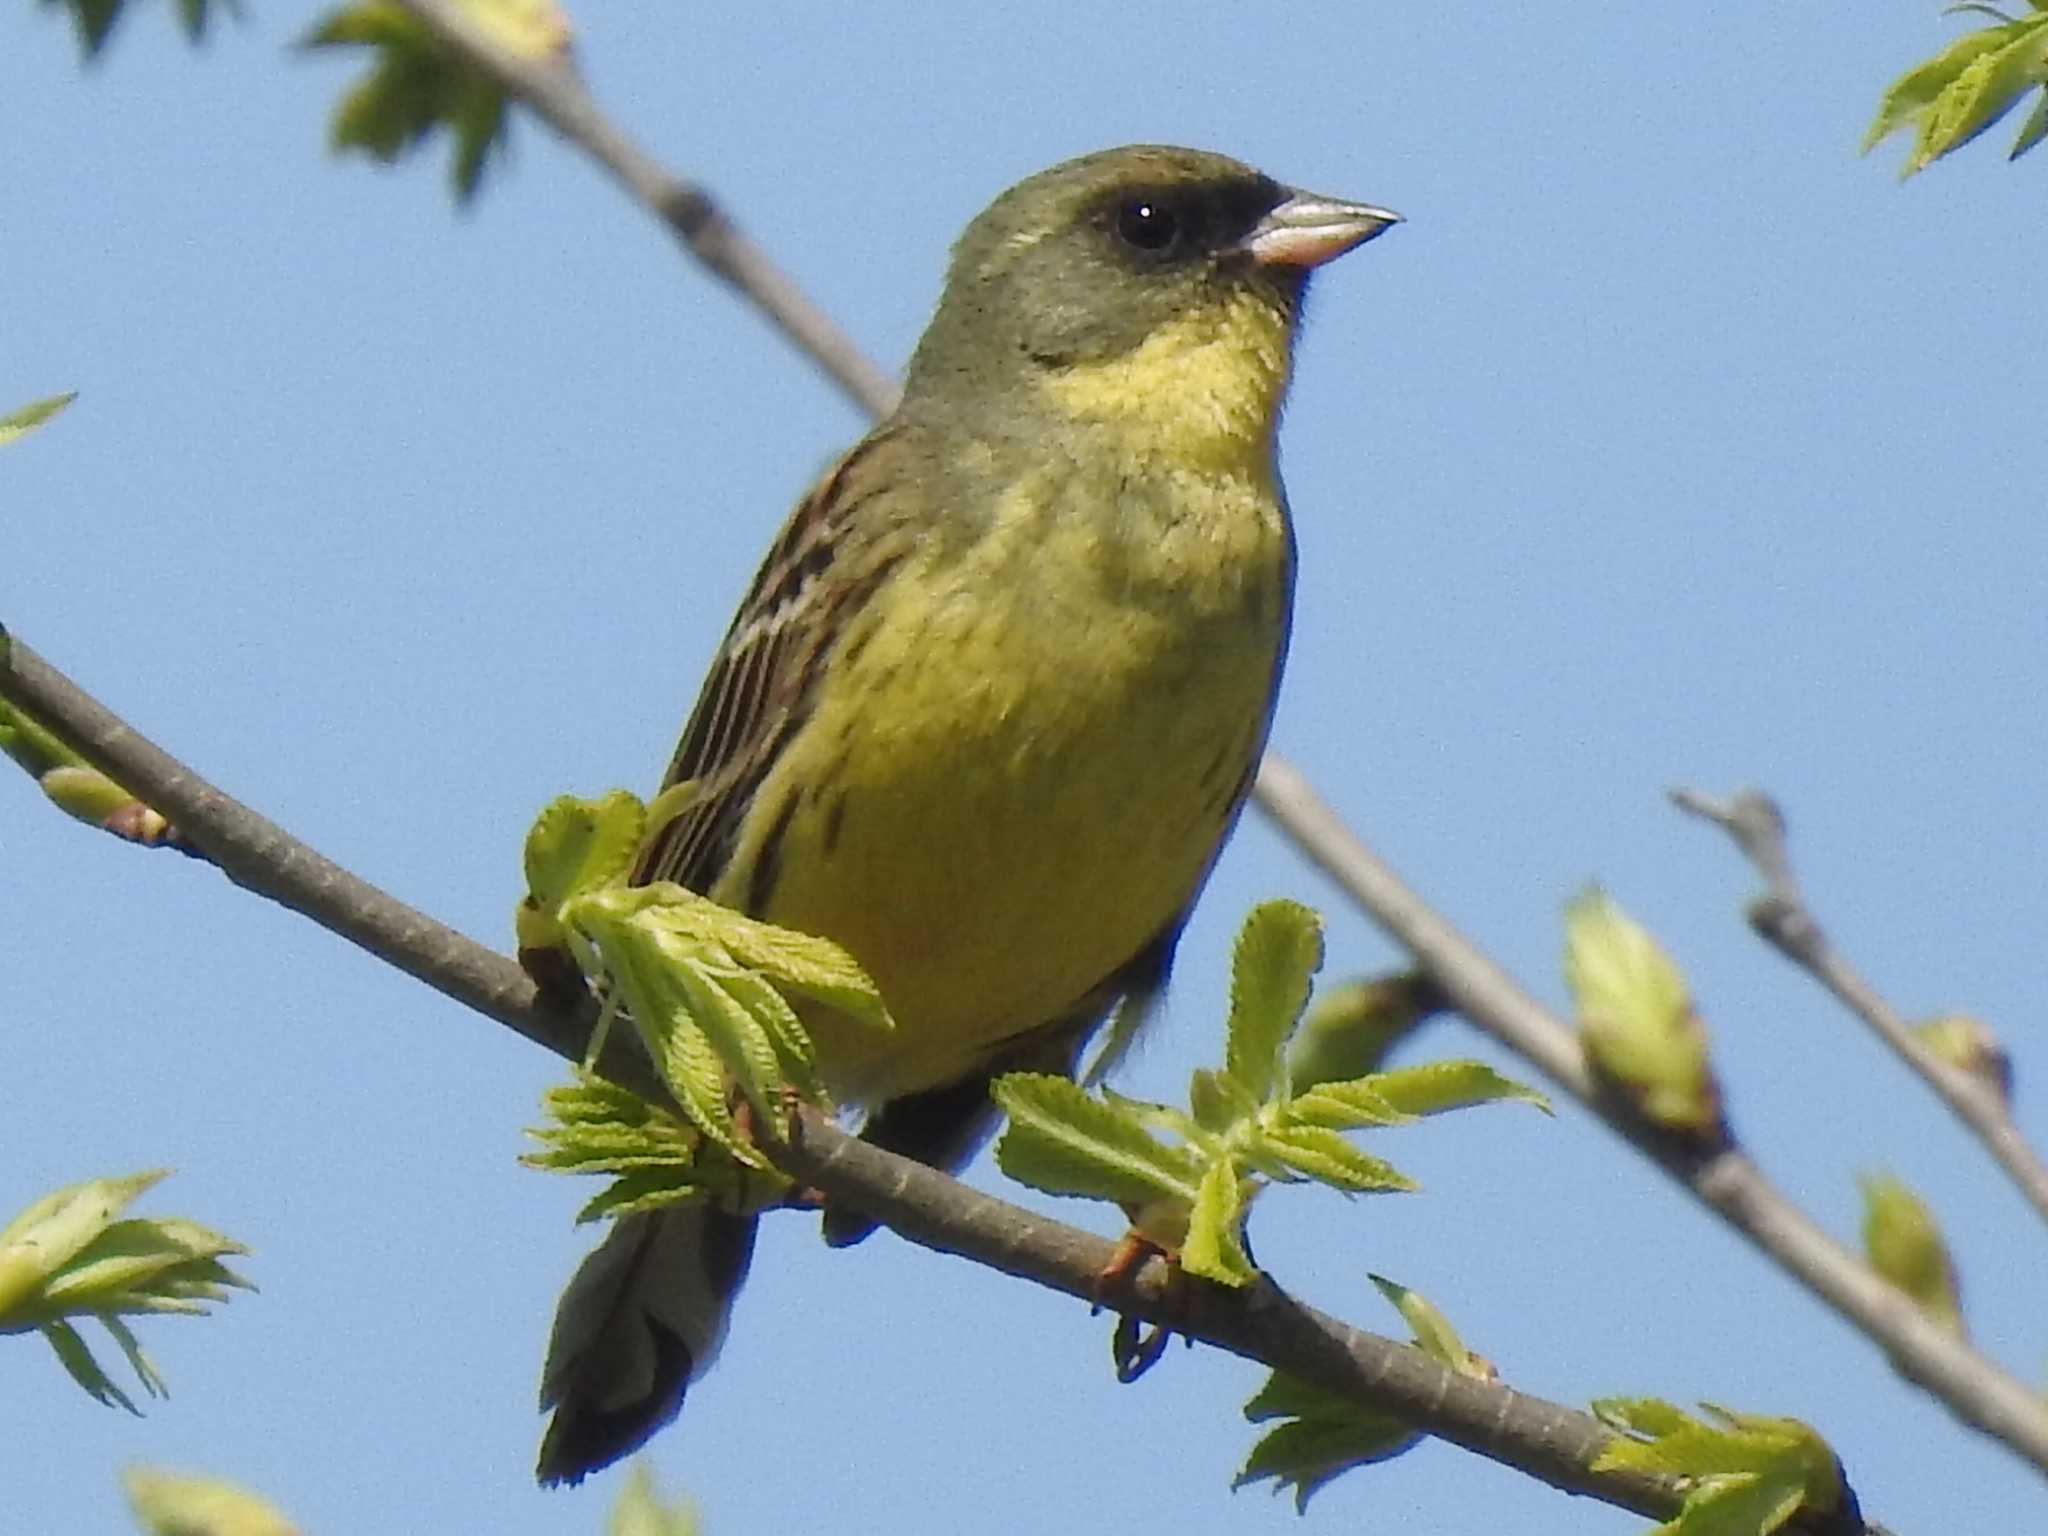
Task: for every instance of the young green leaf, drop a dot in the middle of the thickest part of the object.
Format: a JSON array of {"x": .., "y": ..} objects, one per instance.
[
  {"x": 703, "y": 986},
  {"x": 1349, "y": 1028},
  {"x": 1215, "y": 1242},
  {"x": 1746, "y": 1474},
  {"x": 70, "y": 1255},
  {"x": 414, "y": 84},
  {"x": 1327, "y": 1435},
  {"x": 1064, "y": 1141},
  {"x": 795, "y": 962},
  {"x": 1345, "y": 1106},
  {"x": 1218, "y": 1101},
  {"x": 640, "y": 1511},
  {"x": 1966, "y": 88},
  {"x": 1914, "y": 92},
  {"x": 24, "y": 421},
  {"x": 1437, "y": 1086},
  {"x": 1969, "y": 1043},
  {"x": 581, "y": 845},
  {"x": 1309, "y": 1451},
  {"x": 1314, "y": 1152},
  {"x": 172, "y": 1504},
  {"x": 1905, "y": 1246},
  {"x": 1279, "y": 950},
  {"x": 74, "y": 786},
  {"x": 1434, "y": 1335},
  {"x": 1635, "y": 1018},
  {"x": 2033, "y": 130}
]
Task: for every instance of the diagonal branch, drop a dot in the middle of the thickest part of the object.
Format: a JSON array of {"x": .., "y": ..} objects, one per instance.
[
  {"x": 555, "y": 91},
  {"x": 1975, "y": 1388},
  {"x": 262, "y": 857},
  {"x": 1784, "y": 920},
  {"x": 1546, "y": 1440}
]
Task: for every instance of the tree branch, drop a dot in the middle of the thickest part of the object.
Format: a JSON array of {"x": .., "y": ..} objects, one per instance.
[
  {"x": 1784, "y": 920},
  {"x": 260, "y": 856},
  {"x": 1547, "y": 1440},
  {"x": 1975, "y": 1389},
  {"x": 554, "y": 89}
]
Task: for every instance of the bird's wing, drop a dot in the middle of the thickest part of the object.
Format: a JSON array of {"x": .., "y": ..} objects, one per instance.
[{"x": 819, "y": 571}]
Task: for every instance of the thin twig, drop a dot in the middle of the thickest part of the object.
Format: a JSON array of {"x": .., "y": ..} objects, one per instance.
[
  {"x": 261, "y": 856},
  {"x": 1546, "y": 1440},
  {"x": 1975, "y": 1389},
  {"x": 554, "y": 89},
  {"x": 1788, "y": 925}
]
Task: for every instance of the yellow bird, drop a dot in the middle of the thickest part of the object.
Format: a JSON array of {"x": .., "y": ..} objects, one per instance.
[{"x": 995, "y": 697}]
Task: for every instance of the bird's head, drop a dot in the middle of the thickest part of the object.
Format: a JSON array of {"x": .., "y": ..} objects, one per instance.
[{"x": 1123, "y": 274}]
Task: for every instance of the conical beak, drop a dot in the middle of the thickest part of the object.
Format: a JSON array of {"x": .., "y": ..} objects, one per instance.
[{"x": 1307, "y": 230}]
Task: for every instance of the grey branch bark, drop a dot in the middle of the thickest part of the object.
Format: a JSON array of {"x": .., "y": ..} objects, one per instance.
[
  {"x": 1547, "y": 1440},
  {"x": 262, "y": 857},
  {"x": 1785, "y": 921},
  {"x": 554, "y": 90},
  {"x": 1977, "y": 1390}
]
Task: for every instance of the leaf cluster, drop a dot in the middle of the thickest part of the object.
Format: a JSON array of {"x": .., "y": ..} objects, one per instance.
[
  {"x": 1746, "y": 1474},
  {"x": 1321, "y": 1435},
  {"x": 706, "y": 991},
  {"x": 180, "y": 1504},
  {"x": 1636, "y": 1019},
  {"x": 415, "y": 83},
  {"x": 1187, "y": 1178},
  {"x": 1905, "y": 1245},
  {"x": 1967, "y": 87},
  {"x": 71, "y": 1256}
]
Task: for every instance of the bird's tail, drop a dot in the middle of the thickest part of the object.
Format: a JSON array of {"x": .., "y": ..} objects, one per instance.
[{"x": 642, "y": 1318}]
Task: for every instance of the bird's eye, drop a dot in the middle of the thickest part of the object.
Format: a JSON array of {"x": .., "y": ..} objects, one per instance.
[{"x": 1147, "y": 224}]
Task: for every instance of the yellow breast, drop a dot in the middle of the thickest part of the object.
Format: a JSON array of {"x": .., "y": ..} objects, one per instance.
[{"x": 1021, "y": 774}]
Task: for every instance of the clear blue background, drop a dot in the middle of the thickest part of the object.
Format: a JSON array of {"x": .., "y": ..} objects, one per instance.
[{"x": 1669, "y": 441}]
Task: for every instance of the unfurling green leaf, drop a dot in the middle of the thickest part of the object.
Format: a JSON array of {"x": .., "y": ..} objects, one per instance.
[
  {"x": 1215, "y": 1242},
  {"x": 1635, "y": 1019},
  {"x": 173, "y": 1504},
  {"x": 704, "y": 988},
  {"x": 1064, "y": 1141},
  {"x": 593, "y": 1126},
  {"x": 70, "y": 1255},
  {"x": 1969, "y": 1043},
  {"x": 1434, "y": 1335},
  {"x": 1187, "y": 1178},
  {"x": 709, "y": 993},
  {"x": 1279, "y": 950},
  {"x": 640, "y": 1511},
  {"x": 1318, "y": 1444},
  {"x": 575, "y": 846},
  {"x": 1905, "y": 1246},
  {"x": 1324, "y": 1434},
  {"x": 1746, "y": 1474},
  {"x": 1314, "y": 1152},
  {"x": 415, "y": 84},
  {"x": 1966, "y": 88},
  {"x": 73, "y": 785},
  {"x": 1436, "y": 1086},
  {"x": 1349, "y": 1028},
  {"x": 581, "y": 845},
  {"x": 24, "y": 421}
]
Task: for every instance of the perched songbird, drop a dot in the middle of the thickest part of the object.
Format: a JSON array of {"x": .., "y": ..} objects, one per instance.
[{"x": 996, "y": 696}]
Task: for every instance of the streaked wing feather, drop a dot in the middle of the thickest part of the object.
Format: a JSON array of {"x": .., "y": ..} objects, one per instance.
[{"x": 761, "y": 680}]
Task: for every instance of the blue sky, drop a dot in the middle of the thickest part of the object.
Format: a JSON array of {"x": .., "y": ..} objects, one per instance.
[{"x": 1668, "y": 441}]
